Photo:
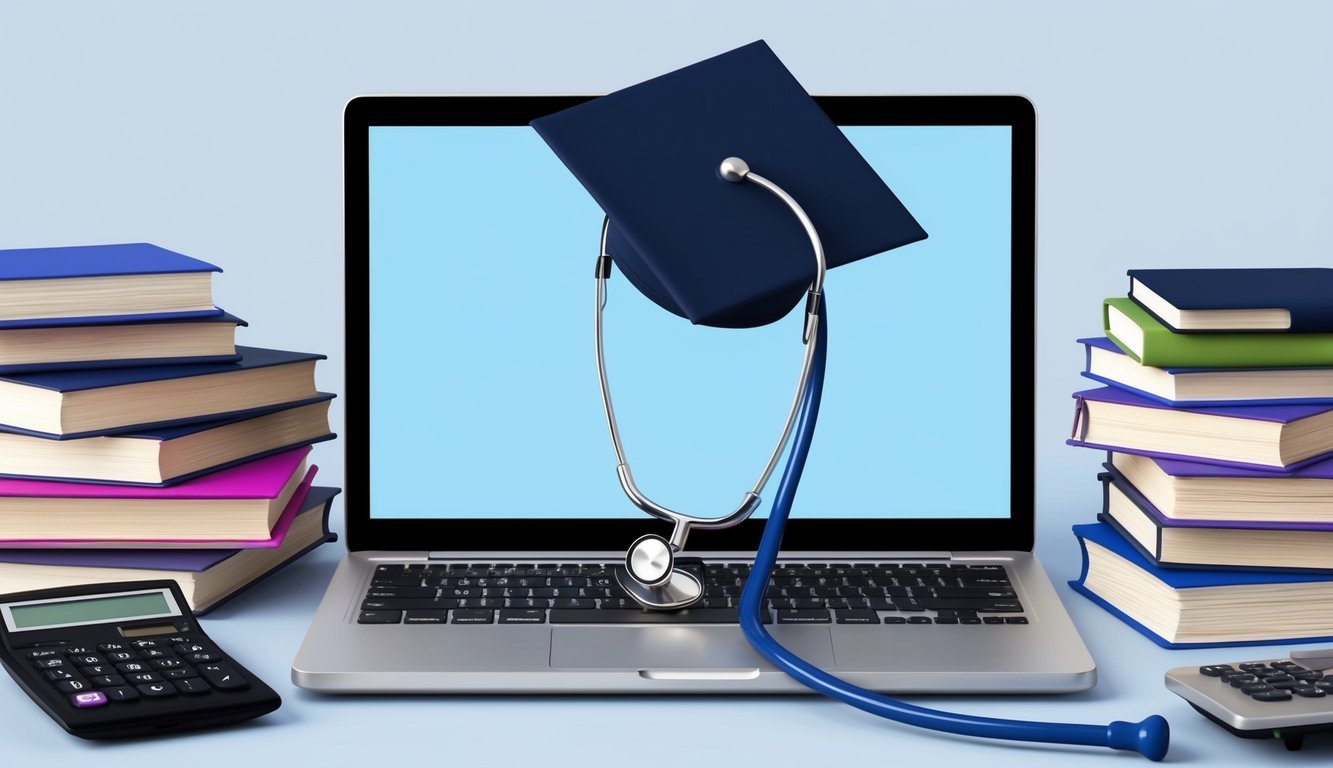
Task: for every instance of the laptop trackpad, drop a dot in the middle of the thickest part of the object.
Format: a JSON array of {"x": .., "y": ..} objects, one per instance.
[{"x": 652, "y": 648}]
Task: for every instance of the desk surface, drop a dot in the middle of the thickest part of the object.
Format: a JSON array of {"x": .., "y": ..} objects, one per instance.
[{"x": 264, "y": 627}]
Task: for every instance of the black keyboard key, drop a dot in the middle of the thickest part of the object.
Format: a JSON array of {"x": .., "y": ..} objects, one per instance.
[
  {"x": 919, "y": 620},
  {"x": 1307, "y": 674},
  {"x": 1015, "y": 619},
  {"x": 142, "y": 644},
  {"x": 49, "y": 663},
  {"x": 116, "y": 656},
  {"x": 425, "y": 617},
  {"x": 112, "y": 647},
  {"x": 121, "y": 693},
  {"x": 222, "y": 676},
  {"x": 414, "y": 604},
  {"x": 43, "y": 653},
  {"x": 895, "y": 619},
  {"x": 56, "y": 675},
  {"x": 1309, "y": 692},
  {"x": 690, "y": 616},
  {"x": 945, "y": 620},
  {"x": 969, "y": 620},
  {"x": 804, "y": 616},
  {"x": 856, "y": 617},
  {"x": 156, "y": 690},
  {"x": 160, "y": 664},
  {"x": 126, "y": 667},
  {"x": 993, "y": 620},
  {"x": 472, "y": 616},
  {"x": 1253, "y": 688},
  {"x": 1271, "y": 696},
  {"x": 73, "y": 686},
  {"x": 155, "y": 653},
  {"x": 191, "y": 686},
  {"x": 1255, "y": 667},
  {"x": 203, "y": 657},
  {"x": 427, "y": 592},
  {"x": 522, "y": 616},
  {"x": 379, "y": 617},
  {"x": 575, "y": 603},
  {"x": 178, "y": 674},
  {"x": 108, "y": 681},
  {"x": 139, "y": 678}
]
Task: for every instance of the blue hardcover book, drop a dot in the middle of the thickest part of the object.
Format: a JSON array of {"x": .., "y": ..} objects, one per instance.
[
  {"x": 1200, "y": 608},
  {"x": 71, "y": 345},
  {"x": 1193, "y": 387},
  {"x": 196, "y": 570},
  {"x": 166, "y": 456},
  {"x": 102, "y": 283},
  {"x": 67, "y": 404},
  {"x": 721, "y": 253},
  {"x": 1222, "y": 300}
]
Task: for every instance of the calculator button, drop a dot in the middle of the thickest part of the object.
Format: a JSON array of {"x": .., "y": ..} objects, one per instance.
[
  {"x": 155, "y": 653},
  {"x": 49, "y": 663},
  {"x": 79, "y": 650},
  {"x": 142, "y": 644},
  {"x": 120, "y": 656},
  {"x": 180, "y": 639},
  {"x": 178, "y": 674},
  {"x": 43, "y": 644},
  {"x": 189, "y": 648},
  {"x": 1309, "y": 691},
  {"x": 43, "y": 653},
  {"x": 131, "y": 666},
  {"x": 57, "y": 674},
  {"x": 1255, "y": 667},
  {"x": 1307, "y": 674},
  {"x": 1272, "y": 696},
  {"x": 122, "y": 693},
  {"x": 108, "y": 681},
  {"x": 138, "y": 678},
  {"x": 89, "y": 699},
  {"x": 72, "y": 686},
  {"x": 98, "y": 669},
  {"x": 112, "y": 647},
  {"x": 166, "y": 663},
  {"x": 87, "y": 661},
  {"x": 1215, "y": 670},
  {"x": 223, "y": 676},
  {"x": 1323, "y": 685},
  {"x": 159, "y": 690},
  {"x": 202, "y": 657},
  {"x": 1253, "y": 688},
  {"x": 191, "y": 685}
]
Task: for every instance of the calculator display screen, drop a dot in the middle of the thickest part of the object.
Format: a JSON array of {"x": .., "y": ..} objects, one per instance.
[{"x": 91, "y": 610}]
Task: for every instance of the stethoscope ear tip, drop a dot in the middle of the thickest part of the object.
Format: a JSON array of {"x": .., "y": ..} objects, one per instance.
[{"x": 1150, "y": 737}]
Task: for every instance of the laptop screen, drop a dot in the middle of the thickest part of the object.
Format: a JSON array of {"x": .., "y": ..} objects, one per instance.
[{"x": 482, "y": 380}]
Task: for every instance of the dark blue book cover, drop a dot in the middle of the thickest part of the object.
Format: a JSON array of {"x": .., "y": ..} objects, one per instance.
[
  {"x": 1303, "y": 291},
  {"x": 96, "y": 261},
  {"x": 74, "y": 381}
]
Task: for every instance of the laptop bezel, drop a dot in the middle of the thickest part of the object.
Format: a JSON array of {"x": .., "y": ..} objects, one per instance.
[{"x": 366, "y": 532}]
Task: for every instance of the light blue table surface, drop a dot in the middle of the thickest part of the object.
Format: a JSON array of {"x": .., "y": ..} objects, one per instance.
[{"x": 263, "y": 629}]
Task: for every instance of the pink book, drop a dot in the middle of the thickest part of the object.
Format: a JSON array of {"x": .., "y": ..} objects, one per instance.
[{"x": 242, "y": 503}]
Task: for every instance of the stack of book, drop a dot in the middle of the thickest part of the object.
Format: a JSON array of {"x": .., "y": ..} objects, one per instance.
[
  {"x": 136, "y": 439},
  {"x": 1217, "y": 516}
]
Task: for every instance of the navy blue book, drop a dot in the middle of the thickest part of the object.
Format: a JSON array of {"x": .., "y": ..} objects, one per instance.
[
  {"x": 720, "y": 253},
  {"x": 1193, "y": 608},
  {"x": 167, "y": 455},
  {"x": 102, "y": 283},
  {"x": 1296, "y": 300},
  {"x": 70, "y": 344},
  {"x": 67, "y": 404}
]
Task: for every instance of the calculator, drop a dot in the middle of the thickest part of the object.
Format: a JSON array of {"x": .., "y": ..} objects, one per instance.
[
  {"x": 1282, "y": 699},
  {"x": 127, "y": 659}
]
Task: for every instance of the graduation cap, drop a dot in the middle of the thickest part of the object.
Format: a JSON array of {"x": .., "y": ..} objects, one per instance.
[{"x": 717, "y": 253}]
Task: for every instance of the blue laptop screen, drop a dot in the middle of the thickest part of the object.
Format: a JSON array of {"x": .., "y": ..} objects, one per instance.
[{"x": 483, "y": 386}]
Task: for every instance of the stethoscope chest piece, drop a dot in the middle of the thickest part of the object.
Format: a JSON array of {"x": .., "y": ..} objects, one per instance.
[{"x": 650, "y": 577}]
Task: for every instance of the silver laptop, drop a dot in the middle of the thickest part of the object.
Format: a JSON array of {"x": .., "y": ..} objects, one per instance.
[{"x": 484, "y": 515}]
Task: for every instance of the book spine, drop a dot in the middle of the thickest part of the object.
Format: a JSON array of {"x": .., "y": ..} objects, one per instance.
[{"x": 1165, "y": 349}]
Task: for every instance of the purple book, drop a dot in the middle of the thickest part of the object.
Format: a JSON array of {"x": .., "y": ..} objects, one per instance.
[{"x": 1223, "y": 447}]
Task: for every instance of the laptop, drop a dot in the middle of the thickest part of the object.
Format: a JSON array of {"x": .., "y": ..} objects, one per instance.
[{"x": 484, "y": 516}]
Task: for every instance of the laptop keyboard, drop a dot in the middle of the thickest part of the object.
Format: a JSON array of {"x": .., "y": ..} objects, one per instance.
[{"x": 798, "y": 593}]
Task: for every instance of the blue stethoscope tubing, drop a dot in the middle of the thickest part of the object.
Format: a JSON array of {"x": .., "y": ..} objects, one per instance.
[{"x": 1149, "y": 737}]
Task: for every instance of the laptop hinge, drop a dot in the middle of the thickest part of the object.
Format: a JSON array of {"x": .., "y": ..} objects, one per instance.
[{"x": 794, "y": 555}]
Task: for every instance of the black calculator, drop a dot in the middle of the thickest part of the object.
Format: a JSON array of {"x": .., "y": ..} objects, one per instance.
[{"x": 128, "y": 659}]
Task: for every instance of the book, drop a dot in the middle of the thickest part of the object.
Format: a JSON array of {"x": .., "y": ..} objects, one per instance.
[
  {"x": 1108, "y": 364},
  {"x": 274, "y": 539},
  {"x": 103, "y": 281},
  {"x": 1272, "y": 299},
  {"x": 60, "y": 346},
  {"x": 1147, "y": 341},
  {"x": 1212, "y": 544},
  {"x": 1188, "y": 491},
  {"x": 207, "y": 577},
  {"x": 1276, "y": 437},
  {"x": 167, "y": 455},
  {"x": 84, "y": 403},
  {"x": 1190, "y": 608},
  {"x": 243, "y": 502}
]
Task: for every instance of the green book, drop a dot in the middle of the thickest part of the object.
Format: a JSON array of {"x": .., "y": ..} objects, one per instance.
[{"x": 1148, "y": 341}]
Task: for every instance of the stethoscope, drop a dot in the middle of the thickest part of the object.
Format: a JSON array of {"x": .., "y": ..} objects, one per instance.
[{"x": 650, "y": 577}]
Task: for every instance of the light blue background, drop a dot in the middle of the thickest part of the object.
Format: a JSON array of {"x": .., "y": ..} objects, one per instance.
[
  {"x": 481, "y": 345},
  {"x": 1192, "y": 133}
]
